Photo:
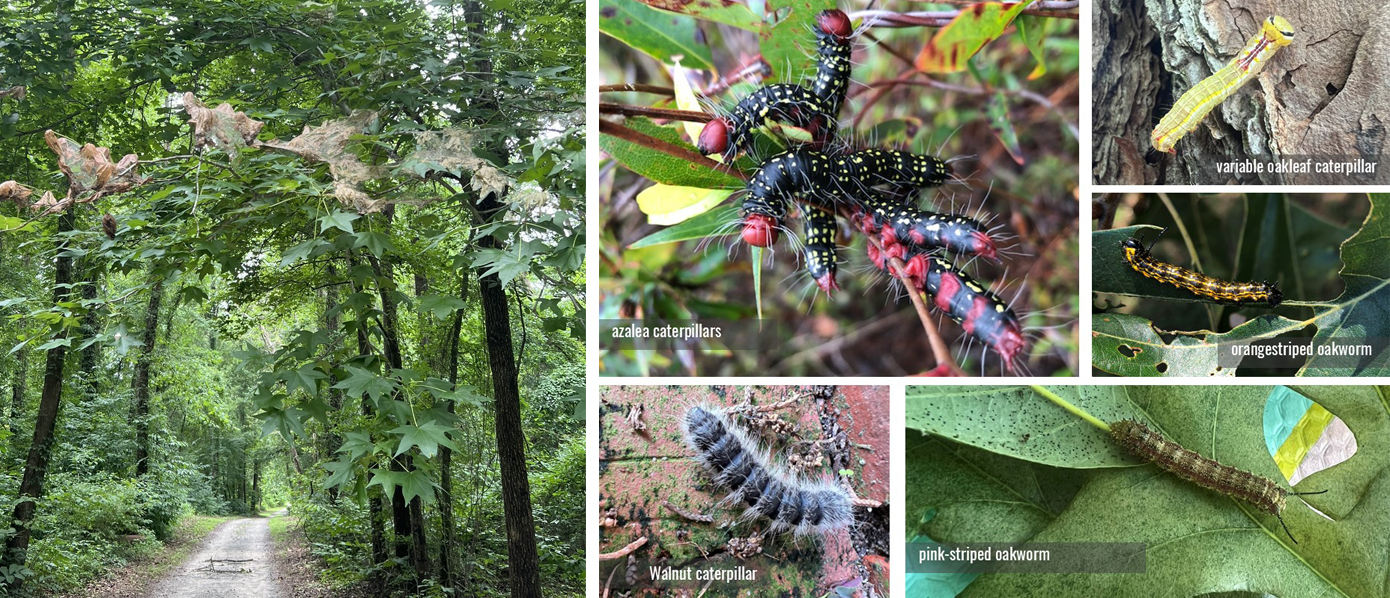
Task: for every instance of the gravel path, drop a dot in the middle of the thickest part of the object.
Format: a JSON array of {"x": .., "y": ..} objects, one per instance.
[{"x": 233, "y": 562}]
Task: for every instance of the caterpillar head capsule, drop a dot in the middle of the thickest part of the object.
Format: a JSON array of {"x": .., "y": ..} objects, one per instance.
[
  {"x": 714, "y": 138},
  {"x": 836, "y": 23},
  {"x": 759, "y": 230}
]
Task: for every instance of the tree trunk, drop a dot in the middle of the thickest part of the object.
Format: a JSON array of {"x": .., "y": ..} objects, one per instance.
[
  {"x": 50, "y": 403},
  {"x": 446, "y": 455},
  {"x": 410, "y": 538},
  {"x": 142, "y": 378},
  {"x": 87, "y": 365},
  {"x": 511, "y": 441},
  {"x": 19, "y": 386},
  {"x": 332, "y": 441},
  {"x": 374, "y": 506}
]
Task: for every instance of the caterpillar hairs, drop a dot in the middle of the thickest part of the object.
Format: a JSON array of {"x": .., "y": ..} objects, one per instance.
[{"x": 768, "y": 489}]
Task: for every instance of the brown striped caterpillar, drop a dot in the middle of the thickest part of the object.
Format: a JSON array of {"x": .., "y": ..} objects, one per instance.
[
  {"x": 1194, "y": 105},
  {"x": 1238, "y": 293},
  {"x": 1170, "y": 456},
  {"x": 768, "y": 489}
]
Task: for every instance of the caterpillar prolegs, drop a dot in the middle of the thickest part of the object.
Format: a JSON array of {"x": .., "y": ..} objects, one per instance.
[
  {"x": 820, "y": 247},
  {"x": 768, "y": 489},
  {"x": 815, "y": 110},
  {"x": 1170, "y": 456}
]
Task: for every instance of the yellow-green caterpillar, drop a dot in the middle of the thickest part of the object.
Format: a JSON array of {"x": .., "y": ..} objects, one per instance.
[{"x": 1193, "y": 106}]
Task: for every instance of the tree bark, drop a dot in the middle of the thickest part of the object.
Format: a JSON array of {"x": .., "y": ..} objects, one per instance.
[
  {"x": 142, "y": 378},
  {"x": 88, "y": 363},
  {"x": 50, "y": 404},
  {"x": 524, "y": 565},
  {"x": 410, "y": 537},
  {"x": 446, "y": 455},
  {"x": 374, "y": 506},
  {"x": 19, "y": 386}
]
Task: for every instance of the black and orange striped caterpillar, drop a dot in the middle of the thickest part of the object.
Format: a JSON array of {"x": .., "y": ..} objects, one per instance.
[
  {"x": 1150, "y": 445},
  {"x": 1237, "y": 293}
]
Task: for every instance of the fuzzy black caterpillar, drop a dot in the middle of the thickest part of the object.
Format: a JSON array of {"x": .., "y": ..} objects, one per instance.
[
  {"x": 815, "y": 109},
  {"x": 738, "y": 463},
  {"x": 1236, "y": 293}
]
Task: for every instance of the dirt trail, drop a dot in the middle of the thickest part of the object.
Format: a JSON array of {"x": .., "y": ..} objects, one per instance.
[{"x": 234, "y": 562}]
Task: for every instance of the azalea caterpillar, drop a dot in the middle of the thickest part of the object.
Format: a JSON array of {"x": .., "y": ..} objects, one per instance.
[
  {"x": 981, "y": 313},
  {"x": 1238, "y": 293},
  {"x": 1147, "y": 444},
  {"x": 820, "y": 246},
  {"x": 1194, "y": 105},
  {"x": 815, "y": 110},
  {"x": 827, "y": 180},
  {"x": 768, "y": 489},
  {"x": 897, "y": 222}
]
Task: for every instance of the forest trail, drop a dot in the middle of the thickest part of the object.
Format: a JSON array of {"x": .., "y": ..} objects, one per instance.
[{"x": 235, "y": 561}]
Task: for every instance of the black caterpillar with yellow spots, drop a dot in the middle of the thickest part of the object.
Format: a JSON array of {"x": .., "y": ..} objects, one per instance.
[
  {"x": 874, "y": 190},
  {"x": 814, "y": 109}
]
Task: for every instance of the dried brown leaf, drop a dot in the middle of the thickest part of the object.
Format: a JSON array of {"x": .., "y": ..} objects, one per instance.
[{"x": 220, "y": 127}]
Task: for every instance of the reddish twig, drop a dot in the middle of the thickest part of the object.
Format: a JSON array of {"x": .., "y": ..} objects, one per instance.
[
  {"x": 939, "y": 18},
  {"x": 606, "y": 127},
  {"x": 624, "y": 551},
  {"x": 667, "y": 113},
  {"x": 637, "y": 88}
]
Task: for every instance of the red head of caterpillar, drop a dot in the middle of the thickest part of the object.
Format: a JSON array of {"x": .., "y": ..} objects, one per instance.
[
  {"x": 1142, "y": 261},
  {"x": 738, "y": 463},
  {"x": 815, "y": 109},
  {"x": 1147, "y": 444}
]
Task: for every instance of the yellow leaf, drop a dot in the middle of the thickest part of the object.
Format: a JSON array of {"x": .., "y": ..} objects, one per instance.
[{"x": 669, "y": 204}]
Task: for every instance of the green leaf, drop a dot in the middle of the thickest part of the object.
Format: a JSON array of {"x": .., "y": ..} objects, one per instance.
[
  {"x": 52, "y": 343},
  {"x": 700, "y": 227},
  {"x": 339, "y": 220},
  {"x": 965, "y": 494},
  {"x": 733, "y": 14},
  {"x": 661, "y": 167},
  {"x": 659, "y": 34},
  {"x": 1358, "y": 316},
  {"x": 362, "y": 382},
  {"x": 1127, "y": 345},
  {"x": 441, "y": 306},
  {"x": 953, "y": 45},
  {"x": 961, "y": 413},
  {"x": 301, "y": 251},
  {"x": 1034, "y": 31},
  {"x": 357, "y": 444},
  {"x": 998, "y": 112},
  {"x": 342, "y": 472},
  {"x": 416, "y": 483},
  {"x": 316, "y": 408},
  {"x": 306, "y": 377},
  {"x": 757, "y": 256},
  {"x": 788, "y": 45},
  {"x": 375, "y": 242},
  {"x": 428, "y": 437}
]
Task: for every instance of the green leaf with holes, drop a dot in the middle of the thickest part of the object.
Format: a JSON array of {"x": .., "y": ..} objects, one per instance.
[
  {"x": 1127, "y": 345},
  {"x": 1359, "y": 315}
]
